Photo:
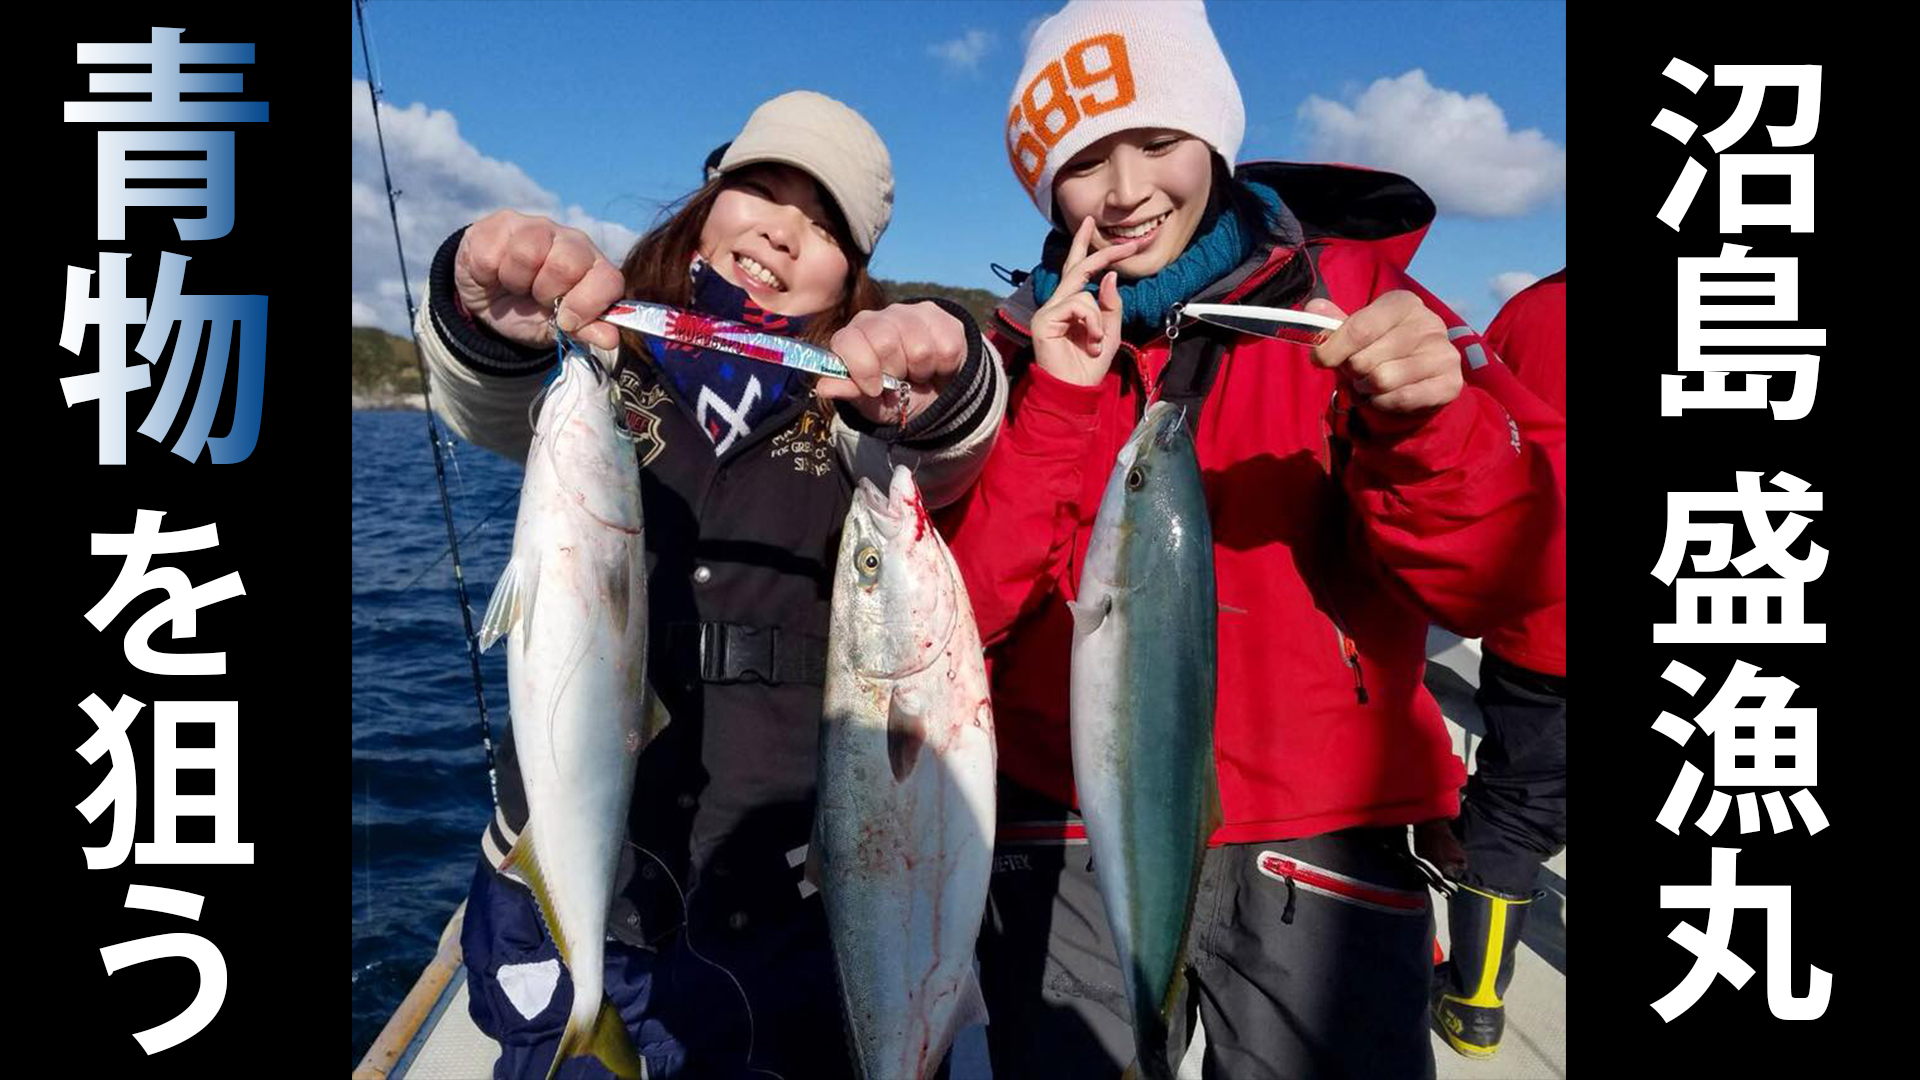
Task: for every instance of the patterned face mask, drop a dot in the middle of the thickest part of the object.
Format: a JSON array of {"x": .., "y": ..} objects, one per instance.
[{"x": 729, "y": 395}]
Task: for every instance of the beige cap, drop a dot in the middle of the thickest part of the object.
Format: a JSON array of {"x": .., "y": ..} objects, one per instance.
[{"x": 833, "y": 144}]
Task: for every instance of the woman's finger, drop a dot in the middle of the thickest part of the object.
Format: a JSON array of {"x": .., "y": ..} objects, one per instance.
[
  {"x": 889, "y": 345},
  {"x": 1426, "y": 394},
  {"x": 484, "y": 247},
  {"x": 1082, "y": 238},
  {"x": 863, "y": 364},
  {"x": 1086, "y": 311},
  {"x": 589, "y": 299},
  {"x": 943, "y": 339},
  {"x": 923, "y": 362},
  {"x": 521, "y": 259},
  {"x": 1076, "y": 276},
  {"x": 583, "y": 279},
  {"x": 831, "y": 387}
]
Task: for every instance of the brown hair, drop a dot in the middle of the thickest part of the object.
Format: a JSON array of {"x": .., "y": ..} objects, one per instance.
[{"x": 656, "y": 269}]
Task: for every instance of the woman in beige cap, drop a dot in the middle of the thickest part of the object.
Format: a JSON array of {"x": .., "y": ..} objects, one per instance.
[
  {"x": 1357, "y": 488},
  {"x": 719, "y": 963}
]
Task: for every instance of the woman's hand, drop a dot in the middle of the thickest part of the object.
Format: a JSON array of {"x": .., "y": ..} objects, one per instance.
[
  {"x": 918, "y": 343},
  {"x": 511, "y": 266},
  {"x": 1394, "y": 353},
  {"x": 1075, "y": 336}
]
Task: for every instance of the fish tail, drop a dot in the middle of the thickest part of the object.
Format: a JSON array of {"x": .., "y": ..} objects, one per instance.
[
  {"x": 1150, "y": 1062},
  {"x": 605, "y": 1040},
  {"x": 604, "y": 1037},
  {"x": 522, "y": 860}
]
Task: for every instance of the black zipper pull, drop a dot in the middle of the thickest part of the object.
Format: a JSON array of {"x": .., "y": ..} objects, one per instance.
[
  {"x": 1173, "y": 321},
  {"x": 1286, "y": 917},
  {"x": 1353, "y": 661}
]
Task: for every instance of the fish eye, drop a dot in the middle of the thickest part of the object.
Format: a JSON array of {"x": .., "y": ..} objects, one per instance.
[
  {"x": 868, "y": 560},
  {"x": 1135, "y": 478}
]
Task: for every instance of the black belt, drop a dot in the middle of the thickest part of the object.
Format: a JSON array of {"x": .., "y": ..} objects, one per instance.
[{"x": 731, "y": 652}]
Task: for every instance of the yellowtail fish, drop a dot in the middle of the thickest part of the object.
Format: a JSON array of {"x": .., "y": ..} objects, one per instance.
[
  {"x": 903, "y": 836},
  {"x": 1142, "y": 692},
  {"x": 572, "y": 604}
]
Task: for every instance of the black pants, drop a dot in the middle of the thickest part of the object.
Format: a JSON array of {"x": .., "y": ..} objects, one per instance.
[
  {"x": 1513, "y": 813},
  {"x": 1307, "y": 958}
]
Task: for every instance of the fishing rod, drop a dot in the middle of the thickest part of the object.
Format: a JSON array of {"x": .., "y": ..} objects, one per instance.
[{"x": 426, "y": 390}]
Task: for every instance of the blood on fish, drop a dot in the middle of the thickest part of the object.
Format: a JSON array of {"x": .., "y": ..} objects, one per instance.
[{"x": 919, "y": 516}]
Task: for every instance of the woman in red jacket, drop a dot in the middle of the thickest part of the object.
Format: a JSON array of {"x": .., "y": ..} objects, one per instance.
[{"x": 1356, "y": 492}]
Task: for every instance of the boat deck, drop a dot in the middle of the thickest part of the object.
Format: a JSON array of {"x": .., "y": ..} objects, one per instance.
[{"x": 432, "y": 1037}]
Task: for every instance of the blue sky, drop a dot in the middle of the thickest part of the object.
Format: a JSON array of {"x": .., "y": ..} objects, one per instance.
[{"x": 597, "y": 113}]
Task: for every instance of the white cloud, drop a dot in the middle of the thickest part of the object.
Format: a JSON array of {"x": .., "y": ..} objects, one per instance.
[
  {"x": 1505, "y": 286},
  {"x": 963, "y": 53},
  {"x": 1458, "y": 148},
  {"x": 447, "y": 183},
  {"x": 1465, "y": 310}
]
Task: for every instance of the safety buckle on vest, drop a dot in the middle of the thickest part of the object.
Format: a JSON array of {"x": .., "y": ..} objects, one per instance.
[
  {"x": 733, "y": 653},
  {"x": 1173, "y": 321},
  {"x": 713, "y": 650}
]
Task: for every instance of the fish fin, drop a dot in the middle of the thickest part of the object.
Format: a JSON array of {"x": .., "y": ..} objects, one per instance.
[
  {"x": 1088, "y": 617},
  {"x": 619, "y": 593},
  {"x": 973, "y": 1003},
  {"x": 906, "y": 732},
  {"x": 606, "y": 1041},
  {"x": 509, "y": 608},
  {"x": 522, "y": 861},
  {"x": 813, "y": 874},
  {"x": 654, "y": 718},
  {"x": 1176, "y": 993}
]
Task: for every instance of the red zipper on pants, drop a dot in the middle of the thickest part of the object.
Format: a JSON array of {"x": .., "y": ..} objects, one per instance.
[{"x": 1340, "y": 886}]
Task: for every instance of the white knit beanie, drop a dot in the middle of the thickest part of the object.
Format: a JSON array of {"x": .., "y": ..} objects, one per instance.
[{"x": 1100, "y": 66}]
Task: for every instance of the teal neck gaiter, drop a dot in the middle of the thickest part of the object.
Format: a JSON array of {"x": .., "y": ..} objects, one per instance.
[{"x": 1216, "y": 248}]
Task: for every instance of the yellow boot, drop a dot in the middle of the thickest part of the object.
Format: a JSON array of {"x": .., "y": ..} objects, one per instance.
[{"x": 1468, "y": 988}]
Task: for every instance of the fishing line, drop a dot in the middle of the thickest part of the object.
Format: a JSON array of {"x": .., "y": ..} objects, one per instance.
[
  {"x": 686, "y": 924},
  {"x": 367, "y": 820},
  {"x": 378, "y": 622},
  {"x": 459, "y": 477},
  {"x": 426, "y": 392}
]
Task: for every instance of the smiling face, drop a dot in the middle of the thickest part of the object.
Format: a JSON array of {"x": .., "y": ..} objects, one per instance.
[
  {"x": 771, "y": 232},
  {"x": 1143, "y": 182}
]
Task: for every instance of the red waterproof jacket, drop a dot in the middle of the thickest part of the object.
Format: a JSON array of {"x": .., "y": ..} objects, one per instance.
[
  {"x": 1338, "y": 534},
  {"x": 1530, "y": 336}
]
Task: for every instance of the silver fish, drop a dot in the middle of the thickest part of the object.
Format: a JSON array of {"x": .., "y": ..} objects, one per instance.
[
  {"x": 1142, "y": 713},
  {"x": 573, "y": 605},
  {"x": 903, "y": 836}
]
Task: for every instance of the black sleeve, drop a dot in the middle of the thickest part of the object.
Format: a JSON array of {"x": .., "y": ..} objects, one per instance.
[
  {"x": 476, "y": 347},
  {"x": 959, "y": 410}
]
